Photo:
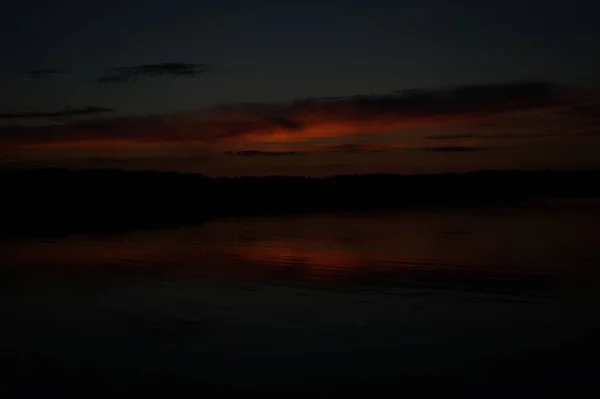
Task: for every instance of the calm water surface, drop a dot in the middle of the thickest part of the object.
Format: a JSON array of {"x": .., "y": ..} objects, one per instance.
[{"x": 464, "y": 300}]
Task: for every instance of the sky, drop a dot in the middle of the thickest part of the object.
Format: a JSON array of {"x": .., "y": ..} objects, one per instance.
[{"x": 239, "y": 87}]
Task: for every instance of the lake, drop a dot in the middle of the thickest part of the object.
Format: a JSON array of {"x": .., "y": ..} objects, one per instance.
[{"x": 479, "y": 300}]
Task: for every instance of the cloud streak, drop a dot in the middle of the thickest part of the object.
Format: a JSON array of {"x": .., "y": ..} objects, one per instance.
[
  {"x": 63, "y": 113},
  {"x": 253, "y": 153},
  {"x": 337, "y": 119},
  {"x": 353, "y": 148},
  {"x": 173, "y": 69},
  {"x": 452, "y": 149},
  {"x": 43, "y": 72}
]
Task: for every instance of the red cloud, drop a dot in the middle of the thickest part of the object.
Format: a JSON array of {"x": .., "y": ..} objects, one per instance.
[{"x": 309, "y": 119}]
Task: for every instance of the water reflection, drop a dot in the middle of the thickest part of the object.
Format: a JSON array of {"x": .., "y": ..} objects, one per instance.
[
  {"x": 310, "y": 303},
  {"x": 489, "y": 249}
]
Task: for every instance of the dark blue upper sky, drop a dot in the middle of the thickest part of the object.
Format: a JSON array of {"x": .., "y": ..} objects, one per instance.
[
  {"x": 115, "y": 83},
  {"x": 276, "y": 50}
]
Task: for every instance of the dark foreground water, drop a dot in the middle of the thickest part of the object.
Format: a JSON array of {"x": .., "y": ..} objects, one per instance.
[{"x": 482, "y": 302}]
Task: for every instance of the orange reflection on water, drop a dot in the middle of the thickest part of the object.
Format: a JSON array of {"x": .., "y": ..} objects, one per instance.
[{"x": 293, "y": 252}]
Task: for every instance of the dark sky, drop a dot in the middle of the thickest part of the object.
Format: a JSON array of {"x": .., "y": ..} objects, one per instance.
[{"x": 89, "y": 83}]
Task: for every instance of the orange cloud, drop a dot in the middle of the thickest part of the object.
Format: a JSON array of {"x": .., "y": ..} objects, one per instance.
[{"x": 318, "y": 119}]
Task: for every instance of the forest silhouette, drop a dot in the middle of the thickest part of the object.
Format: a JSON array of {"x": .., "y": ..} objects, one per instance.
[{"x": 61, "y": 201}]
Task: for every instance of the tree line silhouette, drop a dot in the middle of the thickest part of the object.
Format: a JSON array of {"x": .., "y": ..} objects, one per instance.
[{"x": 60, "y": 201}]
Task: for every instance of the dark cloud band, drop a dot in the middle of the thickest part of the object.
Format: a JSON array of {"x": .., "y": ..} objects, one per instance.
[
  {"x": 43, "y": 72},
  {"x": 131, "y": 73},
  {"x": 63, "y": 113},
  {"x": 341, "y": 117}
]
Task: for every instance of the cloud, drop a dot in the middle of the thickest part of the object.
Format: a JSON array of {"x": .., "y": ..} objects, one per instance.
[
  {"x": 253, "y": 153},
  {"x": 63, "y": 113},
  {"x": 168, "y": 162},
  {"x": 352, "y": 148},
  {"x": 505, "y": 136},
  {"x": 313, "y": 148},
  {"x": 536, "y": 106},
  {"x": 130, "y": 73},
  {"x": 452, "y": 149},
  {"x": 43, "y": 72},
  {"x": 591, "y": 111},
  {"x": 450, "y": 136}
]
